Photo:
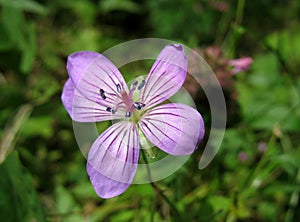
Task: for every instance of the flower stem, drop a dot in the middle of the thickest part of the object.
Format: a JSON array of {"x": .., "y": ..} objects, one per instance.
[
  {"x": 160, "y": 192},
  {"x": 240, "y": 12}
]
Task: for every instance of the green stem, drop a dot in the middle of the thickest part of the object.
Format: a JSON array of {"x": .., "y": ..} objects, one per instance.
[
  {"x": 176, "y": 212},
  {"x": 294, "y": 200},
  {"x": 240, "y": 12},
  {"x": 230, "y": 41},
  {"x": 253, "y": 173}
]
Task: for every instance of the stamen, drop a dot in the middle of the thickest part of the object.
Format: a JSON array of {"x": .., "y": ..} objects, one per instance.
[
  {"x": 109, "y": 109},
  {"x": 118, "y": 88},
  {"x": 141, "y": 84},
  {"x": 138, "y": 105},
  {"x": 134, "y": 84},
  {"x": 128, "y": 114},
  {"x": 101, "y": 91}
]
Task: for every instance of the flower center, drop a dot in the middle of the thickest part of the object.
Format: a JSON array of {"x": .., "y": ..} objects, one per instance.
[{"x": 133, "y": 110}]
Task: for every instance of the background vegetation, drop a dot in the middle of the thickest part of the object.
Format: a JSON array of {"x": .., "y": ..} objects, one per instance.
[{"x": 255, "y": 175}]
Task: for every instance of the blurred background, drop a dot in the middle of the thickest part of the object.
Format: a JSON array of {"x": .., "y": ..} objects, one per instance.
[{"x": 254, "y": 50}]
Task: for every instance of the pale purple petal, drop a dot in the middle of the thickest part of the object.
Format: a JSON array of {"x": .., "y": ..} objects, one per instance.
[
  {"x": 68, "y": 96},
  {"x": 101, "y": 74},
  {"x": 241, "y": 64},
  {"x": 166, "y": 76},
  {"x": 78, "y": 62},
  {"x": 91, "y": 72},
  {"x": 88, "y": 110},
  {"x": 81, "y": 109},
  {"x": 175, "y": 128},
  {"x": 113, "y": 158}
]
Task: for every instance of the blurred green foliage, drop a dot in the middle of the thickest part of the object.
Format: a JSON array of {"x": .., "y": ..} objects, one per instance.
[{"x": 255, "y": 175}]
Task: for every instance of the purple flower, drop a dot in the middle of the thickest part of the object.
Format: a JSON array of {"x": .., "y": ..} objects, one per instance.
[
  {"x": 262, "y": 147},
  {"x": 96, "y": 91},
  {"x": 242, "y": 156},
  {"x": 241, "y": 64}
]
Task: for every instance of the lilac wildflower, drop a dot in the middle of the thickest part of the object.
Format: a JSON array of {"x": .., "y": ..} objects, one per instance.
[
  {"x": 241, "y": 64},
  {"x": 262, "y": 147},
  {"x": 96, "y": 91},
  {"x": 242, "y": 156}
]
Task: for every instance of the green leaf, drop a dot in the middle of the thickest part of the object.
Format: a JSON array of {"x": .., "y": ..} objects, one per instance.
[
  {"x": 84, "y": 190},
  {"x": 14, "y": 24},
  {"x": 124, "y": 216},
  {"x": 21, "y": 34},
  {"x": 42, "y": 88},
  {"x": 19, "y": 201},
  {"x": 267, "y": 210},
  {"x": 29, "y": 50},
  {"x": 123, "y": 5},
  {"x": 32, "y": 127},
  {"x": 287, "y": 42},
  {"x": 86, "y": 38},
  {"x": 220, "y": 204},
  {"x": 26, "y": 5},
  {"x": 11, "y": 130},
  {"x": 66, "y": 205},
  {"x": 267, "y": 98},
  {"x": 5, "y": 42},
  {"x": 85, "y": 10},
  {"x": 265, "y": 70}
]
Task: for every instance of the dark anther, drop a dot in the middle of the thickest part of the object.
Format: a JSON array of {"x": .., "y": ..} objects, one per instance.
[
  {"x": 103, "y": 96},
  {"x": 118, "y": 88},
  {"x": 128, "y": 114},
  {"x": 138, "y": 105},
  {"x": 101, "y": 91},
  {"x": 113, "y": 111},
  {"x": 141, "y": 84},
  {"x": 135, "y": 83}
]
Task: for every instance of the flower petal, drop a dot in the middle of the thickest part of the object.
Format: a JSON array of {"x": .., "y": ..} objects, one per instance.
[
  {"x": 78, "y": 62},
  {"x": 97, "y": 88},
  {"x": 175, "y": 128},
  {"x": 166, "y": 76},
  {"x": 89, "y": 110},
  {"x": 113, "y": 158},
  {"x": 68, "y": 96},
  {"x": 241, "y": 64},
  {"x": 101, "y": 74},
  {"x": 82, "y": 109}
]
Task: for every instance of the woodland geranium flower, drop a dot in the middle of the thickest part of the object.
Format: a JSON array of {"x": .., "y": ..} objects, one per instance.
[
  {"x": 241, "y": 64},
  {"x": 96, "y": 91}
]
